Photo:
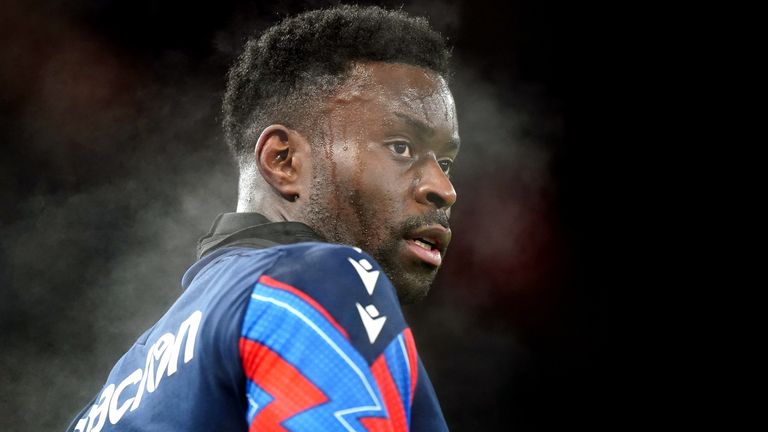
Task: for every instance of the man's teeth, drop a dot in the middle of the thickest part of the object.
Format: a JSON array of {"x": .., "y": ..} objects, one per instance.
[{"x": 423, "y": 244}]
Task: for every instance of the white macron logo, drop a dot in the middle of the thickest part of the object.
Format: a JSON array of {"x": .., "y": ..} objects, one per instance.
[
  {"x": 162, "y": 360},
  {"x": 369, "y": 278},
  {"x": 372, "y": 324}
]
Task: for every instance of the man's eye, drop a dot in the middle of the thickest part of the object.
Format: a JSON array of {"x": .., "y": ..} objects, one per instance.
[
  {"x": 446, "y": 165},
  {"x": 401, "y": 148}
]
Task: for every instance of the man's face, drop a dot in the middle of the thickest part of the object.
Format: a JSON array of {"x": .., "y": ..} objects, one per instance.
[{"x": 382, "y": 152}]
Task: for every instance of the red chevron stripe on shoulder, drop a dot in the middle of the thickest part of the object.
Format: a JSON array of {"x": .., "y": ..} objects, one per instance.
[
  {"x": 392, "y": 400},
  {"x": 291, "y": 391},
  {"x": 413, "y": 359}
]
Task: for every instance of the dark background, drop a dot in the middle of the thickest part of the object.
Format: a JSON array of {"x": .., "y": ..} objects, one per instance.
[{"x": 113, "y": 165}]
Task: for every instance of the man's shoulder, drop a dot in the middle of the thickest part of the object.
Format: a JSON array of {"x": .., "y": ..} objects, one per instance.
[
  {"x": 311, "y": 267},
  {"x": 335, "y": 287},
  {"x": 319, "y": 266},
  {"x": 282, "y": 255},
  {"x": 344, "y": 285},
  {"x": 310, "y": 263},
  {"x": 319, "y": 257},
  {"x": 314, "y": 250}
]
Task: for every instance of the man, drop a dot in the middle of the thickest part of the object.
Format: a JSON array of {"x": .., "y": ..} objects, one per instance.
[{"x": 345, "y": 131}]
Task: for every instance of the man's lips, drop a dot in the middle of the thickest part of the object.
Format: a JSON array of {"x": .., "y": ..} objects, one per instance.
[{"x": 429, "y": 243}]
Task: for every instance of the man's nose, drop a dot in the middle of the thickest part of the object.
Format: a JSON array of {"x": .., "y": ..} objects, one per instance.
[{"x": 434, "y": 187}]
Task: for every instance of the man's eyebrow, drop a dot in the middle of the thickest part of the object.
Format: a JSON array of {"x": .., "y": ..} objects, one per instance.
[
  {"x": 426, "y": 130},
  {"x": 421, "y": 127}
]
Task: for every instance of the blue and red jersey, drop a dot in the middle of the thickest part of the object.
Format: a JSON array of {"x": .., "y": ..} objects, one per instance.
[{"x": 302, "y": 337}]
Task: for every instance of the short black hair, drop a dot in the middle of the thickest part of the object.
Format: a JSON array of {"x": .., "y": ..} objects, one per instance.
[{"x": 281, "y": 73}]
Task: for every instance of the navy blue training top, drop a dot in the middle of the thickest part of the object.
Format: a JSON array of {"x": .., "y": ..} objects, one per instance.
[{"x": 302, "y": 337}]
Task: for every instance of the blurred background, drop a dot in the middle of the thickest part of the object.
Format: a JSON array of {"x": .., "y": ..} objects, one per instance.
[{"x": 113, "y": 165}]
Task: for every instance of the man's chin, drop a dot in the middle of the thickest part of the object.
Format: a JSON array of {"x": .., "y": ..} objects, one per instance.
[
  {"x": 412, "y": 296},
  {"x": 411, "y": 277},
  {"x": 411, "y": 286}
]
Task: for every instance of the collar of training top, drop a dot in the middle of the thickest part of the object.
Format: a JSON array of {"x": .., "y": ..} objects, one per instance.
[{"x": 253, "y": 230}]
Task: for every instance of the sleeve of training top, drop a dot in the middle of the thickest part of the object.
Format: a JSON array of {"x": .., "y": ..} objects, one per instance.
[{"x": 324, "y": 346}]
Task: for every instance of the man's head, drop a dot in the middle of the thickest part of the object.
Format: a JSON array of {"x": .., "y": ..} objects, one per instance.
[{"x": 342, "y": 119}]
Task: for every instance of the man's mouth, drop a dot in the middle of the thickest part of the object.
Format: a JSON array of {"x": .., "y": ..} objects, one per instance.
[
  {"x": 429, "y": 243},
  {"x": 423, "y": 243}
]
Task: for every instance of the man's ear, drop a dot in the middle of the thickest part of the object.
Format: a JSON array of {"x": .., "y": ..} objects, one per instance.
[{"x": 279, "y": 156}]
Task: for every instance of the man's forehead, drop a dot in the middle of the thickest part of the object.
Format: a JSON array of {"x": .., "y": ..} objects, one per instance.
[
  {"x": 395, "y": 88},
  {"x": 403, "y": 80}
]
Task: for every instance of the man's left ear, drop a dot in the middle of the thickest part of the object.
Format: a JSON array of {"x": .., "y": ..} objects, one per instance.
[{"x": 280, "y": 156}]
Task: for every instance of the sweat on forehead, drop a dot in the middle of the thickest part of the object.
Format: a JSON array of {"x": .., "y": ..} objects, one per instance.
[
  {"x": 401, "y": 92},
  {"x": 369, "y": 79}
]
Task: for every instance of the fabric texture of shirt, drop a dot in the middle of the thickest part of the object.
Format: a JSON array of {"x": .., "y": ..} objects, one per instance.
[{"x": 275, "y": 331}]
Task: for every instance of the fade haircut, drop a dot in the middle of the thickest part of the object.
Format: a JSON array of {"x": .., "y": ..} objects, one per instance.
[{"x": 282, "y": 75}]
